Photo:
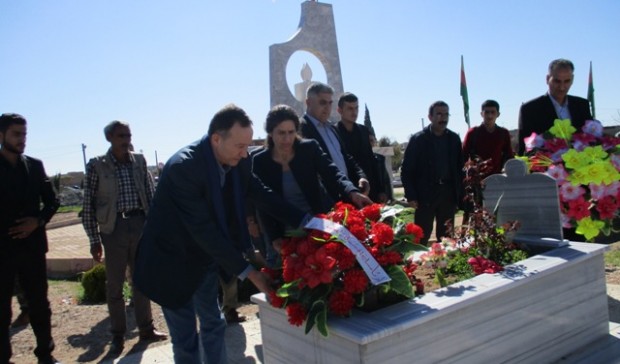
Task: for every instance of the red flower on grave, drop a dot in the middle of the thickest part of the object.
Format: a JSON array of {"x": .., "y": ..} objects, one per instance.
[
  {"x": 341, "y": 303},
  {"x": 381, "y": 234},
  {"x": 318, "y": 268},
  {"x": 355, "y": 281},
  {"x": 296, "y": 313},
  {"x": 578, "y": 208}
]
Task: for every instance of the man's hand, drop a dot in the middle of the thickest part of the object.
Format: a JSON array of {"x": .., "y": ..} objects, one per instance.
[
  {"x": 359, "y": 200},
  {"x": 277, "y": 245},
  {"x": 412, "y": 204},
  {"x": 23, "y": 227},
  {"x": 97, "y": 252},
  {"x": 364, "y": 186},
  {"x": 261, "y": 281}
]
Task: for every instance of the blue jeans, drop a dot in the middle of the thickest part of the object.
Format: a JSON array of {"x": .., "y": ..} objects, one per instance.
[{"x": 182, "y": 325}]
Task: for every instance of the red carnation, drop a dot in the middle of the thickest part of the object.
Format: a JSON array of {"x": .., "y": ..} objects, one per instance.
[
  {"x": 359, "y": 231},
  {"x": 275, "y": 300},
  {"x": 414, "y": 230},
  {"x": 341, "y": 303},
  {"x": 382, "y": 234},
  {"x": 607, "y": 207},
  {"x": 372, "y": 212},
  {"x": 296, "y": 313},
  {"x": 355, "y": 281}
]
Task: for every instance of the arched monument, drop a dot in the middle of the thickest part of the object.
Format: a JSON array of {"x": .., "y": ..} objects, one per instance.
[{"x": 316, "y": 34}]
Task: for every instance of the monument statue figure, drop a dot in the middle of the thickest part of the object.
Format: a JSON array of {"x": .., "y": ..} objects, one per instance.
[{"x": 315, "y": 34}]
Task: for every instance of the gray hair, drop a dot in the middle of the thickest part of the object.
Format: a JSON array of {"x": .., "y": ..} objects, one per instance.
[
  {"x": 109, "y": 129},
  {"x": 319, "y": 88}
]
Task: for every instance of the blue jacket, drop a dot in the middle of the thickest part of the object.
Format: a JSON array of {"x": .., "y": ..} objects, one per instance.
[
  {"x": 186, "y": 229},
  {"x": 313, "y": 172}
]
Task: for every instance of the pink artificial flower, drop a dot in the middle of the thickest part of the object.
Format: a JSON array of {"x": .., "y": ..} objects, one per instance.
[
  {"x": 569, "y": 192},
  {"x": 582, "y": 140},
  {"x": 609, "y": 142},
  {"x": 593, "y": 127},
  {"x": 565, "y": 221},
  {"x": 612, "y": 189},
  {"x": 533, "y": 141},
  {"x": 615, "y": 160},
  {"x": 597, "y": 191},
  {"x": 558, "y": 172}
]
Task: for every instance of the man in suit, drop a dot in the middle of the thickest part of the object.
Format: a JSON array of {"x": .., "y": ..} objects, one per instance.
[
  {"x": 432, "y": 173},
  {"x": 196, "y": 227},
  {"x": 117, "y": 193},
  {"x": 27, "y": 202},
  {"x": 315, "y": 125},
  {"x": 537, "y": 115},
  {"x": 356, "y": 139}
]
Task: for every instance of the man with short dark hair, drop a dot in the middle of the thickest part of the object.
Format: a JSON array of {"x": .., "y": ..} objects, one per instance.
[
  {"x": 118, "y": 190},
  {"x": 27, "y": 202},
  {"x": 489, "y": 140},
  {"x": 197, "y": 226},
  {"x": 315, "y": 125},
  {"x": 538, "y": 115},
  {"x": 432, "y": 173},
  {"x": 356, "y": 139}
]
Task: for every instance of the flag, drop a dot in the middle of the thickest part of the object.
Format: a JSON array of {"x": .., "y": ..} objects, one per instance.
[
  {"x": 464, "y": 93},
  {"x": 591, "y": 92},
  {"x": 367, "y": 122}
]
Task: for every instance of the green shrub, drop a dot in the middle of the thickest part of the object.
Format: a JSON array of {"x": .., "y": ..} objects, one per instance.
[{"x": 93, "y": 282}]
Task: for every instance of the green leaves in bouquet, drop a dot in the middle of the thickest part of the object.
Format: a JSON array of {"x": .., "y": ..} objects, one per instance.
[
  {"x": 318, "y": 316},
  {"x": 400, "y": 283}
]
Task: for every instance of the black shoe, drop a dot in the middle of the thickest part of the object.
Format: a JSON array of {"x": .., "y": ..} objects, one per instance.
[
  {"x": 117, "y": 345},
  {"x": 233, "y": 317},
  {"x": 22, "y": 320},
  {"x": 49, "y": 360}
]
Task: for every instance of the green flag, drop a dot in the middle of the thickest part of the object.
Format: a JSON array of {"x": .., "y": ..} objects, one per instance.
[
  {"x": 591, "y": 92},
  {"x": 464, "y": 93}
]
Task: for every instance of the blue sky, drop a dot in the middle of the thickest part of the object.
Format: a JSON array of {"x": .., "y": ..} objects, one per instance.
[{"x": 166, "y": 67}]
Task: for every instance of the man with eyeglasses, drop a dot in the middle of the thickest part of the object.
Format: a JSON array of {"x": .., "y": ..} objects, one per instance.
[
  {"x": 432, "y": 173},
  {"x": 315, "y": 125},
  {"x": 118, "y": 190}
]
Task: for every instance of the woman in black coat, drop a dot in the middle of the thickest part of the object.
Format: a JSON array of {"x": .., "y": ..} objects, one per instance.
[{"x": 299, "y": 170}]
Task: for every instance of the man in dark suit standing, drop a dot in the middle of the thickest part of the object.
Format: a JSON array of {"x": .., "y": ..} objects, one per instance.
[
  {"x": 315, "y": 125},
  {"x": 196, "y": 227},
  {"x": 432, "y": 173},
  {"x": 356, "y": 139},
  {"x": 537, "y": 115},
  {"x": 27, "y": 202}
]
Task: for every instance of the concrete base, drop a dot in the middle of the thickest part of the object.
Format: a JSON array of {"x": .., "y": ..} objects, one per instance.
[{"x": 539, "y": 310}]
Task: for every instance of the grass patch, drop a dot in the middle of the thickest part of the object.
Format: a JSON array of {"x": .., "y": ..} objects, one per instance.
[
  {"x": 63, "y": 209},
  {"x": 612, "y": 257}
]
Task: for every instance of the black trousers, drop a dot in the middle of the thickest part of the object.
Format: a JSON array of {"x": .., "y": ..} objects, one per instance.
[
  {"x": 440, "y": 210},
  {"x": 28, "y": 264}
]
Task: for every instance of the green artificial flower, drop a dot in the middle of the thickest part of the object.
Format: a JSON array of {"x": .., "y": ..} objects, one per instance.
[
  {"x": 595, "y": 153},
  {"x": 562, "y": 128},
  {"x": 589, "y": 228},
  {"x": 575, "y": 160}
]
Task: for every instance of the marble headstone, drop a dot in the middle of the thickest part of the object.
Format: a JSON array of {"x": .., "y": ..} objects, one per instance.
[{"x": 532, "y": 199}]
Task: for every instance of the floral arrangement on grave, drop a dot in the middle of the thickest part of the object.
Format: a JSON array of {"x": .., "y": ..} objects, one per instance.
[
  {"x": 341, "y": 258},
  {"x": 586, "y": 166},
  {"x": 479, "y": 245}
]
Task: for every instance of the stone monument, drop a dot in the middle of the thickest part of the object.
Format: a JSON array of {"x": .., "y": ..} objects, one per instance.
[{"x": 316, "y": 34}]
